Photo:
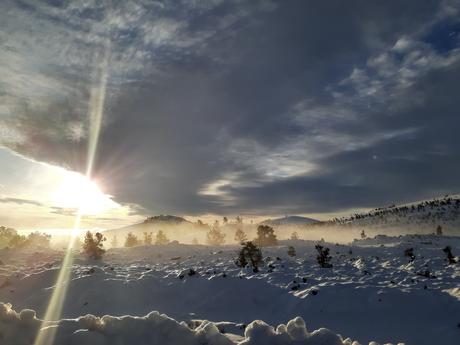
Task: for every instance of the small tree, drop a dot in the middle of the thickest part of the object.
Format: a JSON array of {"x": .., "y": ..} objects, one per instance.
[
  {"x": 249, "y": 254},
  {"x": 17, "y": 241},
  {"x": 409, "y": 253},
  {"x": 291, "y": 251},
  {"x": 131, "y": 240},
  {"x": 114, "y": 242},
  {"x": 147, "y": 238},
  {"x": 225, "y": 220},
  {"x": 39, "y": 239},
  {"x": 215, "y": 236},
  {"x": 323, "y": 258},
  {"x": 294, "y": 236},
  {"x": 6, "y": 235},
  {"x": 439, "y": 230},
  {"x": 195, "y": 241},
  {"x": 92, "y": 246},
  {"x": 266, "y": 236},
  {"x": 450, "y": 256},
  {"x": 363, "y": 234},
  {"x": 160, "y": 238},
  {"x": 240, "y": 236}
]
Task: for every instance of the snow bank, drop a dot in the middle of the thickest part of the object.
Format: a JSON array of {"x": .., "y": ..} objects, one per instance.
[{"x": 21, "y": 328}]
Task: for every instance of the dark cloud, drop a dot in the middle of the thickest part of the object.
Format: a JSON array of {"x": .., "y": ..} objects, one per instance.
[{"x": 294, "y": 106}]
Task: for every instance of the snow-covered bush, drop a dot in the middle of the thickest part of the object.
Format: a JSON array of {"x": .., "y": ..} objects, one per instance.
[
  {"x": 323, "y": 258},
  {"x": 266, "y": 236},
  {"x": 249, "y": 254},
  {"x": 92, "y": 246},
  {"x": 155, "y": 328},
  {"x": 295, "y": 332}
]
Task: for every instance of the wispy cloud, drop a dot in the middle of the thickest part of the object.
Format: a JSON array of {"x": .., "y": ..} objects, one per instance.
[{"x": 20, "y": 201}]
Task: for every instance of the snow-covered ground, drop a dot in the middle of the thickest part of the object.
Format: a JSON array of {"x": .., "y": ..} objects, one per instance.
[{"x": 372, "y": 293}]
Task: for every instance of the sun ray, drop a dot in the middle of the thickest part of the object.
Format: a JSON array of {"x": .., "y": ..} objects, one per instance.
[{"x": 47, "y": 334}]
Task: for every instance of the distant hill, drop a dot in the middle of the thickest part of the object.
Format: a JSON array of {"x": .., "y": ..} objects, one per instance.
[
  {"x": 420, "y": 216},
  {"x": 166, "y": 219},
  {"x": 161, "y": 222},
  {"x": 289, "y": 220}
]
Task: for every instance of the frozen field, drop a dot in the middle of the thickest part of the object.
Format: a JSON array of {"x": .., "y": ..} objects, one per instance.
[{"x": 372, "y": 293}]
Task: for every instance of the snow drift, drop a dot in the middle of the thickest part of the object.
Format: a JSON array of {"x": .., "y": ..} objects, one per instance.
[{"x": 154, "y": 328}]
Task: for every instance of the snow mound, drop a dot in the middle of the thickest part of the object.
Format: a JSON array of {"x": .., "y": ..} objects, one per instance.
[{"x": 155, "y": 328}]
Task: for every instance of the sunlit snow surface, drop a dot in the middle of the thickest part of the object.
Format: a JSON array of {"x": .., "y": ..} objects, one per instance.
[{"x": 372, "y": 293}]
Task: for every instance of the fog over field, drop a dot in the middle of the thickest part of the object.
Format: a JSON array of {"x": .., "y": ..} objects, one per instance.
[{"x": 227, "y": 172}]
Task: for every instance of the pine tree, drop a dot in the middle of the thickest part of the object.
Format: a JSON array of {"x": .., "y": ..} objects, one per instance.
[
  {"x": 266, "y": 236},
  {"x": 147, "y": 238},
  {"x": 160, "y": 238},
  {"x": 131, "y": 240},
  {"x": 249, "y": 254},
  {"x": 323, "y": 258},
  {"x": 240, "y": 236},
  {"x": 92, "y": 246},
  {"x": 439, "y": 230},
  {"x": 215, "y": 236}
]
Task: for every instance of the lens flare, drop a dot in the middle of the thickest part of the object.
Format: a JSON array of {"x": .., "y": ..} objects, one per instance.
[{"x": 47, "y": 332}]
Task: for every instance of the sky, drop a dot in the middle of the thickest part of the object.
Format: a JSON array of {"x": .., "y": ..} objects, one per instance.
[{"x": 122, "y": 109}]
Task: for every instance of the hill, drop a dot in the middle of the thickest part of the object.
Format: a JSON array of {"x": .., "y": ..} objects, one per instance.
[
  {"x": 153, "y": 224},
  {"x": 165, "y": 219},
  {"x": 289, "y": 221},
  {"x": 422, "y": 216}
]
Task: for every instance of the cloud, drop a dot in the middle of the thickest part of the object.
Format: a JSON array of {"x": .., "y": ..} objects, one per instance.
[
  {"x": 224, "y": 107},
  {"x": 20, "y": 201}
]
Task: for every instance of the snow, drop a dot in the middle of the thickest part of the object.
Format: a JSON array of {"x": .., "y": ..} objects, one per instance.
[
  {"x": 155, "y": 328},
  {"x": 372, "y": 293}
]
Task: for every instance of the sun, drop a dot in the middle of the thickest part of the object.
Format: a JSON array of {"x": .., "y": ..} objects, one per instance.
[{"x": 76, "y": 191}]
